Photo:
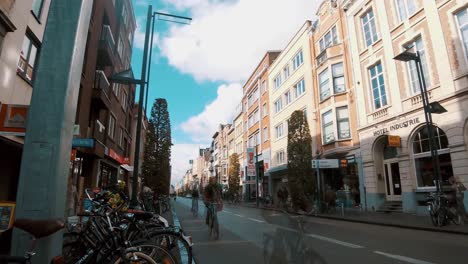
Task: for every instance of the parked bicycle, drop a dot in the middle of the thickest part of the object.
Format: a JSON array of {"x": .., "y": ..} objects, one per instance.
[
  {"x": 442, "y": 210},
  {"x": 139, "y": 230}
]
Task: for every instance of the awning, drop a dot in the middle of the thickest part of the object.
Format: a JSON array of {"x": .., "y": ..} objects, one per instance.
[{"x": 127, "y": 167}]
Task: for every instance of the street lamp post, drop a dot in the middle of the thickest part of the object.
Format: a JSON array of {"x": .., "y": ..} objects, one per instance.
[
  {"x": 126, "y": 77},
  {"x": 428, "y": 108}
]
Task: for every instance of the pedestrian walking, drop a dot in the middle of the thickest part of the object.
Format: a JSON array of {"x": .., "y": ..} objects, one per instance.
[{"x": 459, "y": 190}]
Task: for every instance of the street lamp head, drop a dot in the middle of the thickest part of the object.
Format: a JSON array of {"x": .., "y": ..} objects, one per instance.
[
  {"x": 436, "y": 108},
  {"x": 407, "y": 56},
  {"x": 124, "y": 77}
]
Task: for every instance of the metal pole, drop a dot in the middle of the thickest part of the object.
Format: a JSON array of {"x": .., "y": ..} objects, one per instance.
[
  {"x": 256, "y": 177},
  {"x": 149, "y": 64},
  {"x": 429, "y": 125},
  {"x": 45, "y": 160},
  {"x": 134, "y": 201}
]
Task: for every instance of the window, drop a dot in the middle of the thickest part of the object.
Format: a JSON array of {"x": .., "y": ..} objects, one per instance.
[
  {"x": 412, "y": 68},
  {"x": 250, "y": 142},
  {"x": 124, "y": 100},
  {"x": 327, "y": 127},
  {"x": 111, "y": 126},
  {"x": 264, "y": 87},
  {"x": 239, "y": 148},
  {"x": 288, "y": 97},
  {"x": 257, "y": 140},
  {"x": 130, "y": 37},
  {"x": 423, "y": 160},
  {"x": 323, "y": 85},
  {"x": 120, "y": 48},
  {"x": 121, "y": 136},
  {"x": 378, "y": 86},
  {"x": 280, "y": 157},
  {"x": 231, "y": 144},
  {"x": 278, "y": 105},
  {"x": 265, "y": 134},
  {"x": 305, "y": 113},
  {"x": 253, "y": 97},
  {"x": 124, "y": 15},
  {"x": 299, "y": 88},
  {"x": 224, "y": 152},
  {"x": 405, "y": 8},
  {"x": 37, "y": 8},
  {"x": 256, "y": 116},
  {"x": 27, "y": 60},
  {"x": 338, "y": 78},
  {"x": 116, "y": 89},
  {"x": 368, "y": 28},
  {"x": 342, "y": 119},
  {"x": 462, "y": 19},
  {"x": 277, "y": 81},
  {"x": 286, "y": 72},
  {"x": 250, "y": 121},
  {"x": 298, "y": 60},
  {"x": 264, "y": 110},
  {"x": 279, "y": 130},
  {"x": 330, "y": 38}
]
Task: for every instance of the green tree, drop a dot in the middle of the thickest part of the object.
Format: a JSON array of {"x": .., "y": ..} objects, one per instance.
[
  {"x": 300, "y": 175},
  {"x": 157, "y": 155},
  {"x": 234, "y": 169}
]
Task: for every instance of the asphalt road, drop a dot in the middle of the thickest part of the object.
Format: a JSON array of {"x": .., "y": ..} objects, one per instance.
[{"x": 250, "y": 235}]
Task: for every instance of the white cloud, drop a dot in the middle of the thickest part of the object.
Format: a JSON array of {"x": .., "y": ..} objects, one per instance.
[
  {"x": 181, "y": 154},
  {"x": 227, "y": 39},
  {"x": 139, "y": 38},
  {"x": 142, "y": 2},
  {"x": 200, "y": 127}
]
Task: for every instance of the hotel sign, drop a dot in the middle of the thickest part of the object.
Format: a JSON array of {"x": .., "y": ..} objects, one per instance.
[{"x": 396, "y": 126}]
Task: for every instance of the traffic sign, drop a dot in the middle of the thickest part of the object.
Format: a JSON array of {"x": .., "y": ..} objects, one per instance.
[{"x": 325, "y": 164}]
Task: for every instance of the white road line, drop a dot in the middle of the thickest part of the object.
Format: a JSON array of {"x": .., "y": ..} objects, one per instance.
[
  {"x": 275, "y": 214},
  {"x": 403, "y": 258},
  {"x": 238, "y": 215},
  {"x": 256, "y": 220},
  {"x": 338, "y": 242},
  {"x": 229, "y": 212}
]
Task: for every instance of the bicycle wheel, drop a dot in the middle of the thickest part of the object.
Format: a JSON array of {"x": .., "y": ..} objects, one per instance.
[
  {"x": 441, "y": 217},
  {"x": 174, "y": 243},
  {"x": 215, "y": 227},
  {"x": 148, "y": 253},
  {"x": 433, "y": 215}
]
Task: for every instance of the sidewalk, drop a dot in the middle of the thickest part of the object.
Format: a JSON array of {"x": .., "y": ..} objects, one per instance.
[{"x": 401, "y": 220}]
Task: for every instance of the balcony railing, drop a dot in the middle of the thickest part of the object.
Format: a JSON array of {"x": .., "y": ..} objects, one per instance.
[
  {"x": 106, "y": 46},
  {"x": 101, "y": 91}
]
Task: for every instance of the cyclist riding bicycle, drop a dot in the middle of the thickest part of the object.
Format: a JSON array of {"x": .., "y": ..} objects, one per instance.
[{"x": 212, "y": 195}]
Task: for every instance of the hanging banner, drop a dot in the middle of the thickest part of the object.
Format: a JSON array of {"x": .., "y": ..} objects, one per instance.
[
  {"x": 266, "y": 160},
  {"x": 251, "y": 162}
]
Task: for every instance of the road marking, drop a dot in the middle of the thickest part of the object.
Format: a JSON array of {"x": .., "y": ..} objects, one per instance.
[
  {"x": 256, "y": 220},
  {"x": 403, "y": 258},
  {"x": 238, "y": 215},
  {"x": 229, "y": 212},
  {"x": 219, "y": 242},
  {"x": 274, "y": 214},
  {"x": 338, "y": 242}
]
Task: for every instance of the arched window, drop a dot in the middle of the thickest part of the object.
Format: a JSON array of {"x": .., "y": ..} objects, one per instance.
[{"x": 425, "y": 166}]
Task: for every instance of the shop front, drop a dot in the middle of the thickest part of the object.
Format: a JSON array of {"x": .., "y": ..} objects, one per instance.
[{"x": 398, "y": 166}]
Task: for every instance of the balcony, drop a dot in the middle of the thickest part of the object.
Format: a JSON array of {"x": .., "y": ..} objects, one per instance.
[
  {"x": 101, "y": 90},
  {"x": 106, "y": 47}
]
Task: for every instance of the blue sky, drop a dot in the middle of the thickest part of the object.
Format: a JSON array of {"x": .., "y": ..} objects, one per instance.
[{"x": 200, "y": 68}]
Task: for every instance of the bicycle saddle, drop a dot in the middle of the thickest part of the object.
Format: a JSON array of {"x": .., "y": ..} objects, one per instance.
[
  {"x": 141, "y": 215},
  {"x": 39, "y": 228}
]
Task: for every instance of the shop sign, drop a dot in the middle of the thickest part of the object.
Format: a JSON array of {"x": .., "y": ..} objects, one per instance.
[
  {"x": 266, "y": 160},
  {"x": 351, "y": 159},
  {"x": 395, "y": 127},
  {"x": 325, "y": 164},
  {"x": 13, "y": 118},
  {"x": 126, "y": 160},
  {"x": 116, "y": 156},
  {"x": 76, "y": 130},
  {"x": 73, "y": 155},
  {"x": 394, "y": 141},
  {"x": 83, "y": 143},
  {"x": 7, "y": 215},
  {"x": 343, "y": 163},
  {"x": 249, "y": 182},
  {"x": 251, "y": 162}
]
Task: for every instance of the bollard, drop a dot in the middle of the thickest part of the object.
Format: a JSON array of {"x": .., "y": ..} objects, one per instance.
[{"x": 342, "y": 209}]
